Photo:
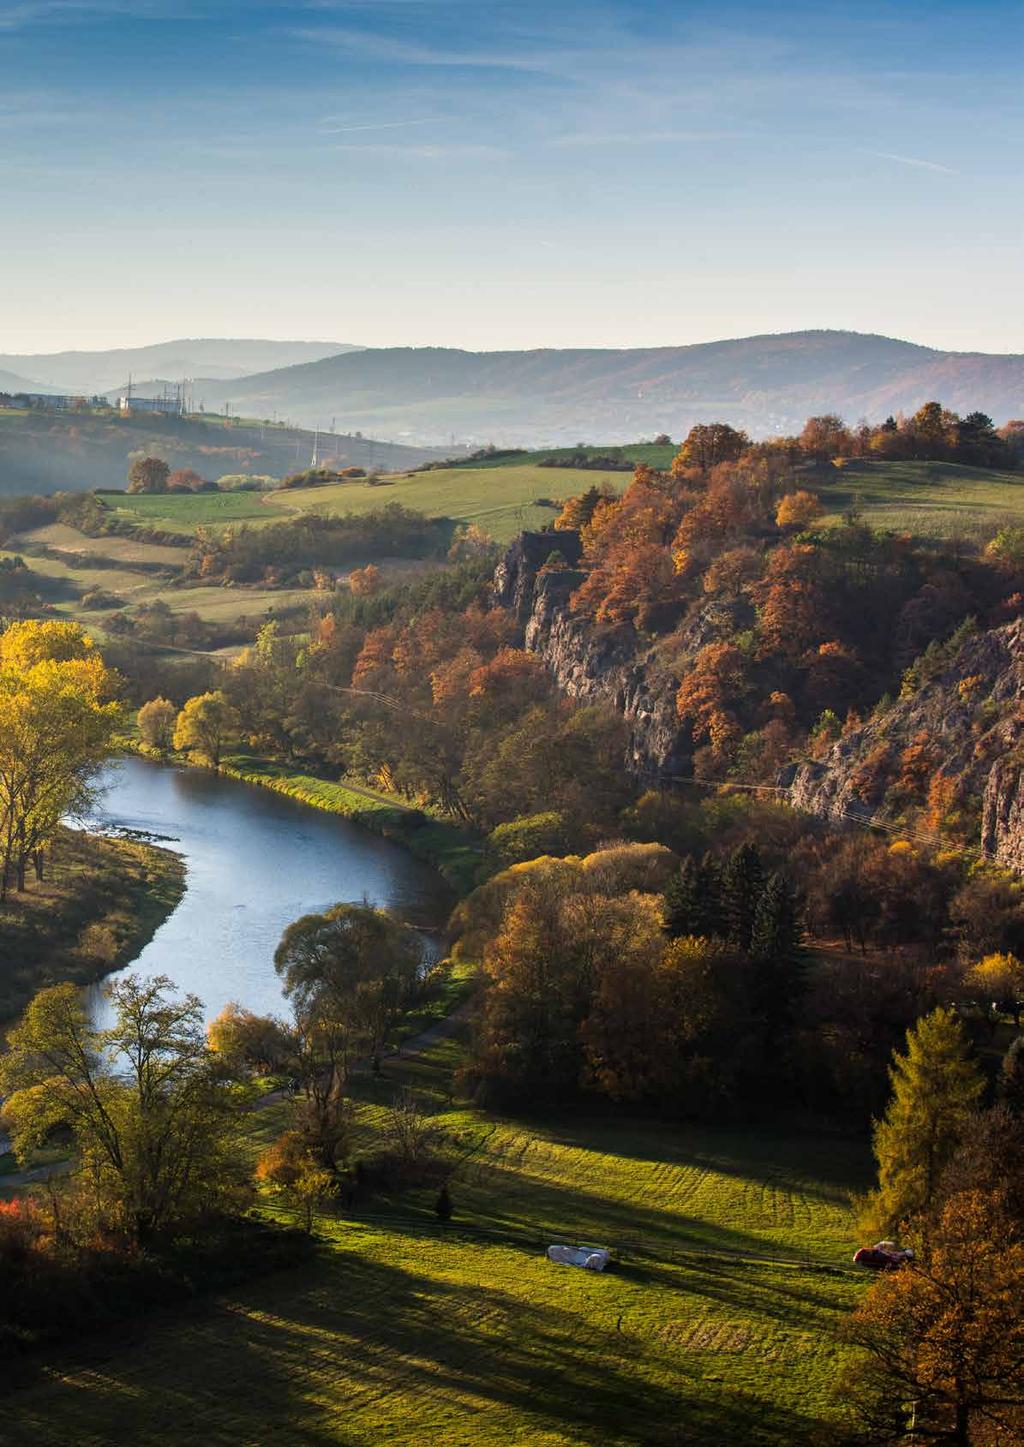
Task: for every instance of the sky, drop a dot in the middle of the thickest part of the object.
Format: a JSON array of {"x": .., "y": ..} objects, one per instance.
[{"x": 490, "y": 175}]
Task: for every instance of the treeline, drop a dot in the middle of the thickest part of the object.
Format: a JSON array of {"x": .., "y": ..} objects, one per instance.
[
  {"x": 720, "y": 982},
  {"x": 280, "y": 553}
]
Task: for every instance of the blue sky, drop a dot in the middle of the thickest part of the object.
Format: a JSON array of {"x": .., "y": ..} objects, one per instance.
[{"x": 505, "y": 175}]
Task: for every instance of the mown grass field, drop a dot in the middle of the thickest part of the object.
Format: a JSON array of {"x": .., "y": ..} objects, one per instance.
[
  {"x": 927, "y": 499},
  {"x": 714, "y": 1327}
]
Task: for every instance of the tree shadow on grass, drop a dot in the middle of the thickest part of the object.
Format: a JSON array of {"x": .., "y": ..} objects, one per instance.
[{"x": 356, "y": 1351}]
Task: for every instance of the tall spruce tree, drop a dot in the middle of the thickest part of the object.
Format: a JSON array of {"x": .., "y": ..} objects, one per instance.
[
  {"x": 693, "y": 903},
  {"x": 777, "y": 960},
  {"x": 742, "y": 883},
  {"x": 936, "y": 1087}
]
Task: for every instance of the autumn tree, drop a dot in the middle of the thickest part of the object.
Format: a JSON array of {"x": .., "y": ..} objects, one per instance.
[
  {"x": 243, "y": 1041},
  {"x": 148, "y": 474},
  {"x": 935, "y": 1088},
  {"x": 364, "y": 582},
  {"x": 183, "y": 479},
  {"x": 150, "y": 1116},
  {"x": 944, "y": 1336},
  {"x": 998, "y": 980},
  {"x": 156, "y": 720},
  {"x": 825, "y": 437},
  {"x": 57, "y": 718},
  {"x": 204, "y": 726},
  {"x": 798, "y": 510},
  {"x": 706, "y": 445},
  {"x": 290, "y": 1167}
]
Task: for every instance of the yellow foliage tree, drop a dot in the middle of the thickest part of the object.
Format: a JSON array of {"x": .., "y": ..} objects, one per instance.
[
  {"x": 798, "y": 510},
  {"x": 57, "y": 718},
  {"x": 999, "y": 980},
  {"x": 204, "y": 726}
]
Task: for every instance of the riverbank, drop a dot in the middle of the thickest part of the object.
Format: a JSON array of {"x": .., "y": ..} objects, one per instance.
[
  {"x": 455, "y": 852},
  {"x": 99, "y": 906}
]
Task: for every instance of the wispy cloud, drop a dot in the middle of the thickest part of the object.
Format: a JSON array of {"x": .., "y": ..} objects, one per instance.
[
  {"x": 409, "y": 52},
  {"x": 333, "y": 130},
  {"x": 581, "y": 139},
  {"x": 33, "y": 12},
  {"x": 467, "y": 150},
  {"x": 914, "y": 161}
]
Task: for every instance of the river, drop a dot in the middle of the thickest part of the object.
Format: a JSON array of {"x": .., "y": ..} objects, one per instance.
[{"x": 256, "y": 861}]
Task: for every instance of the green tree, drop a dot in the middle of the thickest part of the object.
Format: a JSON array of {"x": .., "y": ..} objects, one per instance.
[
  {"x": 935, "y": 1088},
  {"x": 777, "y": 959},
  {"x": 204, "y": 725},
  {"x": 693, "y": 904},
  {"x": 742, "y": 882},
  {"x": 148, "y": 474},
  {"x": 156, "y": 721},
  {"x": 150, "y": 1116}
]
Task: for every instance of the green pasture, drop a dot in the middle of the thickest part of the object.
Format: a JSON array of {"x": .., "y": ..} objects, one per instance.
[
  {"x": 184, "y": 512},
  {"x": 715, "y": 1326},
  {"x": 927, "y": 499},
  {"x": 501, "y": 500}
]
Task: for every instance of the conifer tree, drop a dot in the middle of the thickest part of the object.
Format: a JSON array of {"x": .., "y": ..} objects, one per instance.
[
  {"x": 682, "y": 901},
  {"x": 936, "y": 1087},
  {"x": 1011, "y": 1076},
  {"x": 742, "y": 883},
  {"x": 777, "y": 959}
]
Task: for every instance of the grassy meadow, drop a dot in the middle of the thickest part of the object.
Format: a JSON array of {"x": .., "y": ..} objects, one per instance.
[
  {"x": 714, "y": 1326},
  {"x": 499, "y": 499},
  {"x": 928, "y": 499}
]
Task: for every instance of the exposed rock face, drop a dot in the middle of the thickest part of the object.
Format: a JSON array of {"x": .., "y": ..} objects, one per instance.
[
  {"x": 603, "y": 663},
  {"x": 970, "y": 714}
]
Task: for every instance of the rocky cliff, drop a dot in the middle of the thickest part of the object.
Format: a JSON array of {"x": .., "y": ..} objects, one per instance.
[
  {"x": 594, "y": 664},
  {"x": 954, "y": 740},
  {"x": 605, "y": 664}
]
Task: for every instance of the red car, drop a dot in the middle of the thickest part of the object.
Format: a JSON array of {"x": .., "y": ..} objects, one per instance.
[{"x": 883, "y": 1256}]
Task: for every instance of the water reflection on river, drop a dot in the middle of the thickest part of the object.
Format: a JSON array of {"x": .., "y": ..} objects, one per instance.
[{"x": 256, "y": 860}]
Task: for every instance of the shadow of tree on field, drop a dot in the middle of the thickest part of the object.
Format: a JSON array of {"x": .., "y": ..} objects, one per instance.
[{"x": 354, "y": 1351}]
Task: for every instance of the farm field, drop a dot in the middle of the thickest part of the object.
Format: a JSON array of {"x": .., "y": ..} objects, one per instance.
[
  {"x": 715, "y": 1326},
  {"x": 184, "y": 512},
  {"x": 928, "y": 499},
  {"x": 501, "y": 500},
  {"x": 69, "y": 583}
]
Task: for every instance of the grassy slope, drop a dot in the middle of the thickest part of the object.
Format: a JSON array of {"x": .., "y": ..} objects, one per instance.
[
  {"x": 125, "y": 885},
  {"x": 403, "y": 1331},
  {"x": 928, "y": 499},
  {"x": 498, "y": 499}
]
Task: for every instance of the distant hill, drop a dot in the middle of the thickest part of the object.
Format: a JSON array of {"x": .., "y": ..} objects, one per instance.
[
  {"x": 55, "y": 452},
  {"x": 766, "y": 384},
  {"x": 215, "y": 358},
  {"x": 12, "y": 382}
]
